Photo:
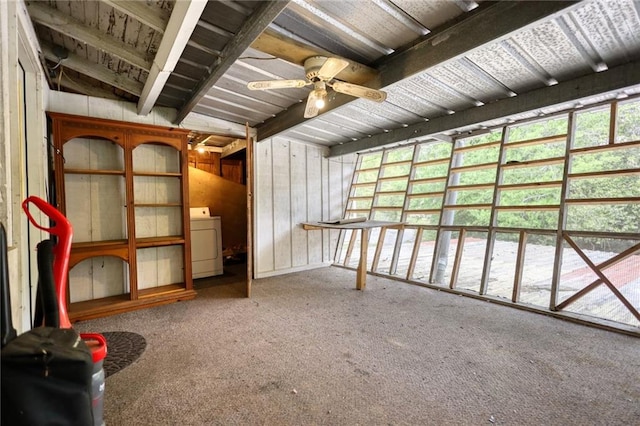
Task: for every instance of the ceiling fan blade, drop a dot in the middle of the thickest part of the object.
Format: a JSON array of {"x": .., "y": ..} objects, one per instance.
[
  {"x": 311, "y": 110},
  {"x": 275, "y": 84},
  {"x": 331, "y": 68},
  {"x": 359, "y": 91}
]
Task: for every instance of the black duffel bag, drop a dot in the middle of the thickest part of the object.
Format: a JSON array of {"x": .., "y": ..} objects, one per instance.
[
  {"x": 46, "y": 379},
  {"x": 45, "y": 372}
]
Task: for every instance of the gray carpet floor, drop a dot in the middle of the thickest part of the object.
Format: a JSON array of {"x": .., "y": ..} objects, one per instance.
[{"x": 309, "y": 349}]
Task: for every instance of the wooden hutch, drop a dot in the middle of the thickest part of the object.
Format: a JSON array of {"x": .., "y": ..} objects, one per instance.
[{"x": 124, "y": 188}]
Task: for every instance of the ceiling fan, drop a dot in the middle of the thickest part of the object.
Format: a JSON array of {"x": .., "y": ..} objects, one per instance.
[{"x": 320, "y": 71}]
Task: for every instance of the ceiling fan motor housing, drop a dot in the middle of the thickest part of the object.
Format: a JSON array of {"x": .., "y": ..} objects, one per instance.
[{"x": 312, "y": 65}]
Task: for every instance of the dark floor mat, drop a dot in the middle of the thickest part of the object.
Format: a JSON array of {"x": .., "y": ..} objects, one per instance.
[{"x": 123, "y": 348}]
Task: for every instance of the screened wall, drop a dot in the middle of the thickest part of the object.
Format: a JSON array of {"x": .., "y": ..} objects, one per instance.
[{"x": 543, "y": 214}]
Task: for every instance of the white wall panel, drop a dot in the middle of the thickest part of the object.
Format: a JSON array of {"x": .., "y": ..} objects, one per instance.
[
  {"x": 282, "y": 220},
  {"x": 315, "y": 200},
  {"x": 23, "y": 154},
  {"x": 300, "y": 198},
  {"x": 97, "y": 277},
  {"x": 295, "y": 183},
  {"x": 70, "y": 103},
  {"x": 325, "y": 208},
  {"x": 263, "y": 196}
]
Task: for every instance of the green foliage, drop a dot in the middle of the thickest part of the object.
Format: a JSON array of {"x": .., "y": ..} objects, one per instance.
[
  {"x": 591, "y": 131},
  {"x": 472, "y": 217},
  {"x": 479, "y": 196},
  {"x": 433, "y": 151},
  {"x": 539, "y": 129},
  {"x": 367, "y": 176},
  {"x": 400, "y": 154},
  {"x": 423, "y": 188},
  {"x": 604, "y": 217},
  {"x": 423, "y": 219},
  {"x": 368, "y": 161},
  {"x": 364, "y": 190},
  {"x": 528, "y": 219},
  {"x": 602, "y": 187},
  {"x": 628, "y": 158},
  {"x": 387, "y": 215},
  {"x": 431, "y": 171},
  {"x": 394, "y": 185},
  {"x": 536, "y": 152},
  {"x": 527, "y": 197},
  {"x": 548, "y": 173},
  {"x": 592, "y": 128},
  {"x": 360, "y": 204},
  {"x": 478, "y": 176},
  {"x": 390, "y": 200},
  {"x": 492, "y": 136},
  {"x": 628, "y": 126},
  {"x": 425, "y": 203},
  {"x": 396, "y": 170}
]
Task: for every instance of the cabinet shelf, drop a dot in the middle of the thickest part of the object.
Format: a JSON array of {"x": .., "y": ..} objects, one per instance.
[
  {"x": 158, "y": 205},
  {"x": 93, "y": 172},
  {"x": 161, "y": 174},
  {"x": 112, "y": 305},
  {"x": 159, "y": 241},
  {"x": 86, "y": 250},
  {"x": 165, "y": 290},
  {"x": 96, "y": 245}
]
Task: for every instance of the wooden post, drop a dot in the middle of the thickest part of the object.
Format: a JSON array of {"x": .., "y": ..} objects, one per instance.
[{"x": 361, "y": 278}]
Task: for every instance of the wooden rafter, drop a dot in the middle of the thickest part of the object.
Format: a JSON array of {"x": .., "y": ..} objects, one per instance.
[
  {"x": 290, "y": 50},
  {"x": 264, "y": 14},
  {"x": 183, "y": 21},
  {"x": 64, "y": 24},
  {"x": 152, "y": 17},
  {"x": 103, "y": 74},
  {"x": 85, "y": 88}
]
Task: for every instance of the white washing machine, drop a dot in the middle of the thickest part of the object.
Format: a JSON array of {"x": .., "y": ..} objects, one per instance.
[{"x": 206, "y": 243}]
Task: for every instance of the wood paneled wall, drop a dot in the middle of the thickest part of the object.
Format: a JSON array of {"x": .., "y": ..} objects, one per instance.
[
  {"x": 295, "y": 183},
  {"x": 207, "y": 161},
  {"x": 225, "y": 199}
]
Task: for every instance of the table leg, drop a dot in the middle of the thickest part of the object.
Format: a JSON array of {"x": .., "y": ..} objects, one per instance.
[{"x": 361, "y": 277}]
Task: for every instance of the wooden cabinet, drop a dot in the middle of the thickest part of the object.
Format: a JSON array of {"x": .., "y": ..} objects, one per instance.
[{"x": 124, "y": 188}]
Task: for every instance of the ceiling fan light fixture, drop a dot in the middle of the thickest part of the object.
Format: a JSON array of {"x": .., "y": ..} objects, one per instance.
[
  {"x": 320, "y": 72},
  {"x": 320, "y": 96}
]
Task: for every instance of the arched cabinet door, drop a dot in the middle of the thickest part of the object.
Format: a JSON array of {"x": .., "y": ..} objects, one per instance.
[{"x": 123, "y": 187}]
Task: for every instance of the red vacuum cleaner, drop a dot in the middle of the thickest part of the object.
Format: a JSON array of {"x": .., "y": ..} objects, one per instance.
[
  {"x": 50, "y": 374},
  {"x": 63, "y": 230}
]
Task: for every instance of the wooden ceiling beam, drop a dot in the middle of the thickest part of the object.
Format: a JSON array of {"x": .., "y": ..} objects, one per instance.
[
  {"x": 100, "y": 73},
  {"x": 275, "y": 44},
  {"x": 86, "y": 89},
  {"x": 64, "y": 24},
  {"x": 140, "y": 11},
  {"x": 262, "y": 16},
  {"x": 233, "y": 147},
  {"x": 484, "y": 25},
  {"x": 183, "y": 21}
]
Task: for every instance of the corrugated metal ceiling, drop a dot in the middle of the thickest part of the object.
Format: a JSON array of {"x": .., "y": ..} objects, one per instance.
[
  {"x": 111, "y": 44},
  {"x": 589, "y": 38}
]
